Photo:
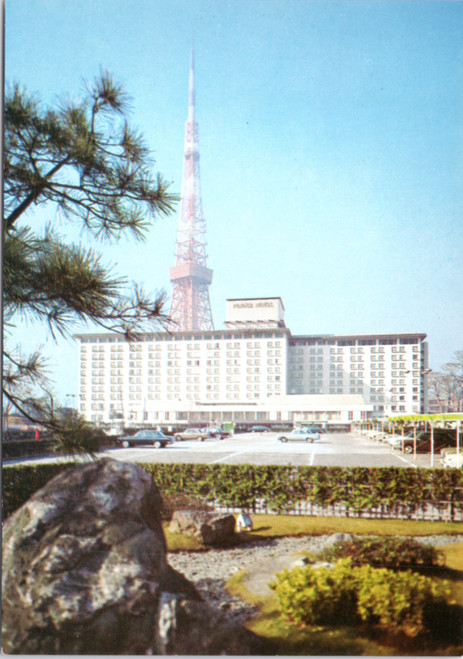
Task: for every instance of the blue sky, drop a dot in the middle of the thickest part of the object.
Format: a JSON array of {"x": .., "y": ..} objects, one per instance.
[{"x": 331, "y": 149}]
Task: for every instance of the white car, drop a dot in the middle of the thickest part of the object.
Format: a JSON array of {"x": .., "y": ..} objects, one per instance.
[
  {"x": 452, "y": 460},
  {"x": 192, "y": 433},
  {"x": 299, "y": 434}
]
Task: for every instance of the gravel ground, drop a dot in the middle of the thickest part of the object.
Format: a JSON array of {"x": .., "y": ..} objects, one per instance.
[{"x": 210, "y": 570}]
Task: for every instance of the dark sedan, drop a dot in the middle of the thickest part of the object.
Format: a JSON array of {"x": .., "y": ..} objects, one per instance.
[
  {"x": 217, "y": 433},
  {"x": 442, "y": 439},
  {"x": 154, "y": 438}
]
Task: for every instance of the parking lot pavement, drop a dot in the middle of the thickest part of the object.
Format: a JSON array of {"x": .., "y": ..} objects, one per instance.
[
  {"x": 332, "y": 449},
  {"x": 337, "y": 449}
]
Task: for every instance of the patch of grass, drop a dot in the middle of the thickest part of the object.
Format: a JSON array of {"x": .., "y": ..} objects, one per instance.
[
  {"x": 181, "y": 541},
  {"x": 453, "y": 555},
  {"x": 285, "y": 638},
  {"x": 235, "y": 586},
  {"x": 454, "y": 561},
  {"x": 276, "y": 526},
  {"x": 283, "y": 525}
]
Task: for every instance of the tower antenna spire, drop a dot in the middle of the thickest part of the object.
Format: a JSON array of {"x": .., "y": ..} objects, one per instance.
[
  {"x": 190, "y": 307},
  {"x": 191, "y": 103}
]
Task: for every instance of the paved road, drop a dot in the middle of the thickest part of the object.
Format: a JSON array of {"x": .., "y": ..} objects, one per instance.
[{"x": 333, "y": 449}]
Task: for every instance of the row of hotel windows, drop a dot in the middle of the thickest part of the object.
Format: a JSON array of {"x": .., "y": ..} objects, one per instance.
[
  {"x": 149, "y": 338},
  {"x": 139, "y": 347},
  {"x": 119, "y": 342},
  {"x": 354, "y": 342},
  {"x": 99, "y": 389},
  {"x": 353, "y": 359},
  {"x": 191, "y": 395},
  {"x": 98, "y": 362},
  {"x": 354, "y": 350}
]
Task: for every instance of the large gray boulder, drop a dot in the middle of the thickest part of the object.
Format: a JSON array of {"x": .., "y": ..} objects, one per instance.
[
  {"x": 85, "y": 572},
  {"x": 211, "y": 528}
]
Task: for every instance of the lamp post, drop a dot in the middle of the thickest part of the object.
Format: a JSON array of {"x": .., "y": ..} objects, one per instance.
[
  {"x": 423, "y": 371},
  {"x": 432, "y": 443}
]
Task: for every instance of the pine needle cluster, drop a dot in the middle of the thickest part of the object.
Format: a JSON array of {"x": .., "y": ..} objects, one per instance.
[{"x": 83, "y": 163}]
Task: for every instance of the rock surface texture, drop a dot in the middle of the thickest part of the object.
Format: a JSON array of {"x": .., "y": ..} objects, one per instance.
[
  {"x": 85, "y": 571},
  {"x": 212, "y": 528}
]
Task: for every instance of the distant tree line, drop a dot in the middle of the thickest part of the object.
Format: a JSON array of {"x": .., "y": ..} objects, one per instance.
[{"x": 446, "y": 386}]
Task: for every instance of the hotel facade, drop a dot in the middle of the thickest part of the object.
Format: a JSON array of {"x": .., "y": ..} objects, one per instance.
[{"x": 252, "y": 371}]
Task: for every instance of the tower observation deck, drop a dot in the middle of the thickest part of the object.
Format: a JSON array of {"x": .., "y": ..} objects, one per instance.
[{"x": 190, "y": 276}]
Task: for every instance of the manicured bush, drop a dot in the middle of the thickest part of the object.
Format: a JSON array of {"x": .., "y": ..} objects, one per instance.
[
  {"x": 19, "y": 483},
  {"x": 400, "y": 601},
  {"x": 345, "y": 594},
  {"x": 32, "y": 448},
  {"x": 312, "y": 596},
  {"x": 385, "y": 552},
  {"x": 280, "y": 488},
  {"x": 22, "y": 448}
]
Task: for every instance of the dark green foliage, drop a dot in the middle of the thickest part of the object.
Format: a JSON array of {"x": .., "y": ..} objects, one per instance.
[
  {"x": 80, "y": 162},
  {"x": 22, "y": 448},
  {"x": 308, "y": 596},
  {"x": 20, "y": 483},
  {"x": 345, "y": 594},
  {"x": 282, "y": 487},
  {"x": 385, "y": 552},
  {"x": 77, "y": 437}
]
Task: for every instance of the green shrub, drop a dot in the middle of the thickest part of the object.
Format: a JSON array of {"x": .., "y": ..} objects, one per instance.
[
  {"x": 20, "y": 483},
  {"x": 21, "y": 448},
  {"x": 400, "y": 601},
  {"x": 343, "y": 594},
  {"x": 283, "y": 487},
  {"x": 385, "y": 552},
  {"x": 317, "y": 596}
]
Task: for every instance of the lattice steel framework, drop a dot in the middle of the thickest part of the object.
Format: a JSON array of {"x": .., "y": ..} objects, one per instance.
[{"x": 190, "y": 307}]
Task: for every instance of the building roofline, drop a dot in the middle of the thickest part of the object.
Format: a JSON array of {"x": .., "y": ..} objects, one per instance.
[
  {"x": 226, "y": 330},
  {"x": 377, "y": 335},
  {"x": 253, "y": 329}
]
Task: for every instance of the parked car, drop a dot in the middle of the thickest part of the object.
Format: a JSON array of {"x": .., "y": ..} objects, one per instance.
[
  {"x": 396, "y": 441},
  {"x": 259, "y": 429},
  {"x": 216, "y": 433},
  {"x": 299, "y": 434},
  {"x": 452, "y": 460},
  {"x": 442, "y": 439},
  {"x": 314, "y": 428},
  {"x": 154, "y": 438},
  {"x": 192, "y": 433}
]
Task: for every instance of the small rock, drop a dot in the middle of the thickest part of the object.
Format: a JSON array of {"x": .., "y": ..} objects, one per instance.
[{"x": 212, "y": 528}]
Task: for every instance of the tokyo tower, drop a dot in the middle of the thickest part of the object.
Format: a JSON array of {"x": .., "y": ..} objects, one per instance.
[{"x": 190, "y": 307}]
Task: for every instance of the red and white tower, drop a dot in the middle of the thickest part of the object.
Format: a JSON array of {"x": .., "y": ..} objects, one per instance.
[{"x": 190, "y": 308}]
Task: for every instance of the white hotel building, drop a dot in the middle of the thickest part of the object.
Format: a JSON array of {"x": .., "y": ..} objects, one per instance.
[{"x": 253, "y": 371}]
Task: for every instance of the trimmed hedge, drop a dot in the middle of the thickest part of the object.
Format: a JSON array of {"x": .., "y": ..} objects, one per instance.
[
  {"x": 30, "y": 448},
  {"x": 20, "y": 482},
  {"x": 385, "y": 552},
  {"x": 33, "y": 448},
  {"x": 282, "y": 487},
  {"x": 345, "y": 594}
]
